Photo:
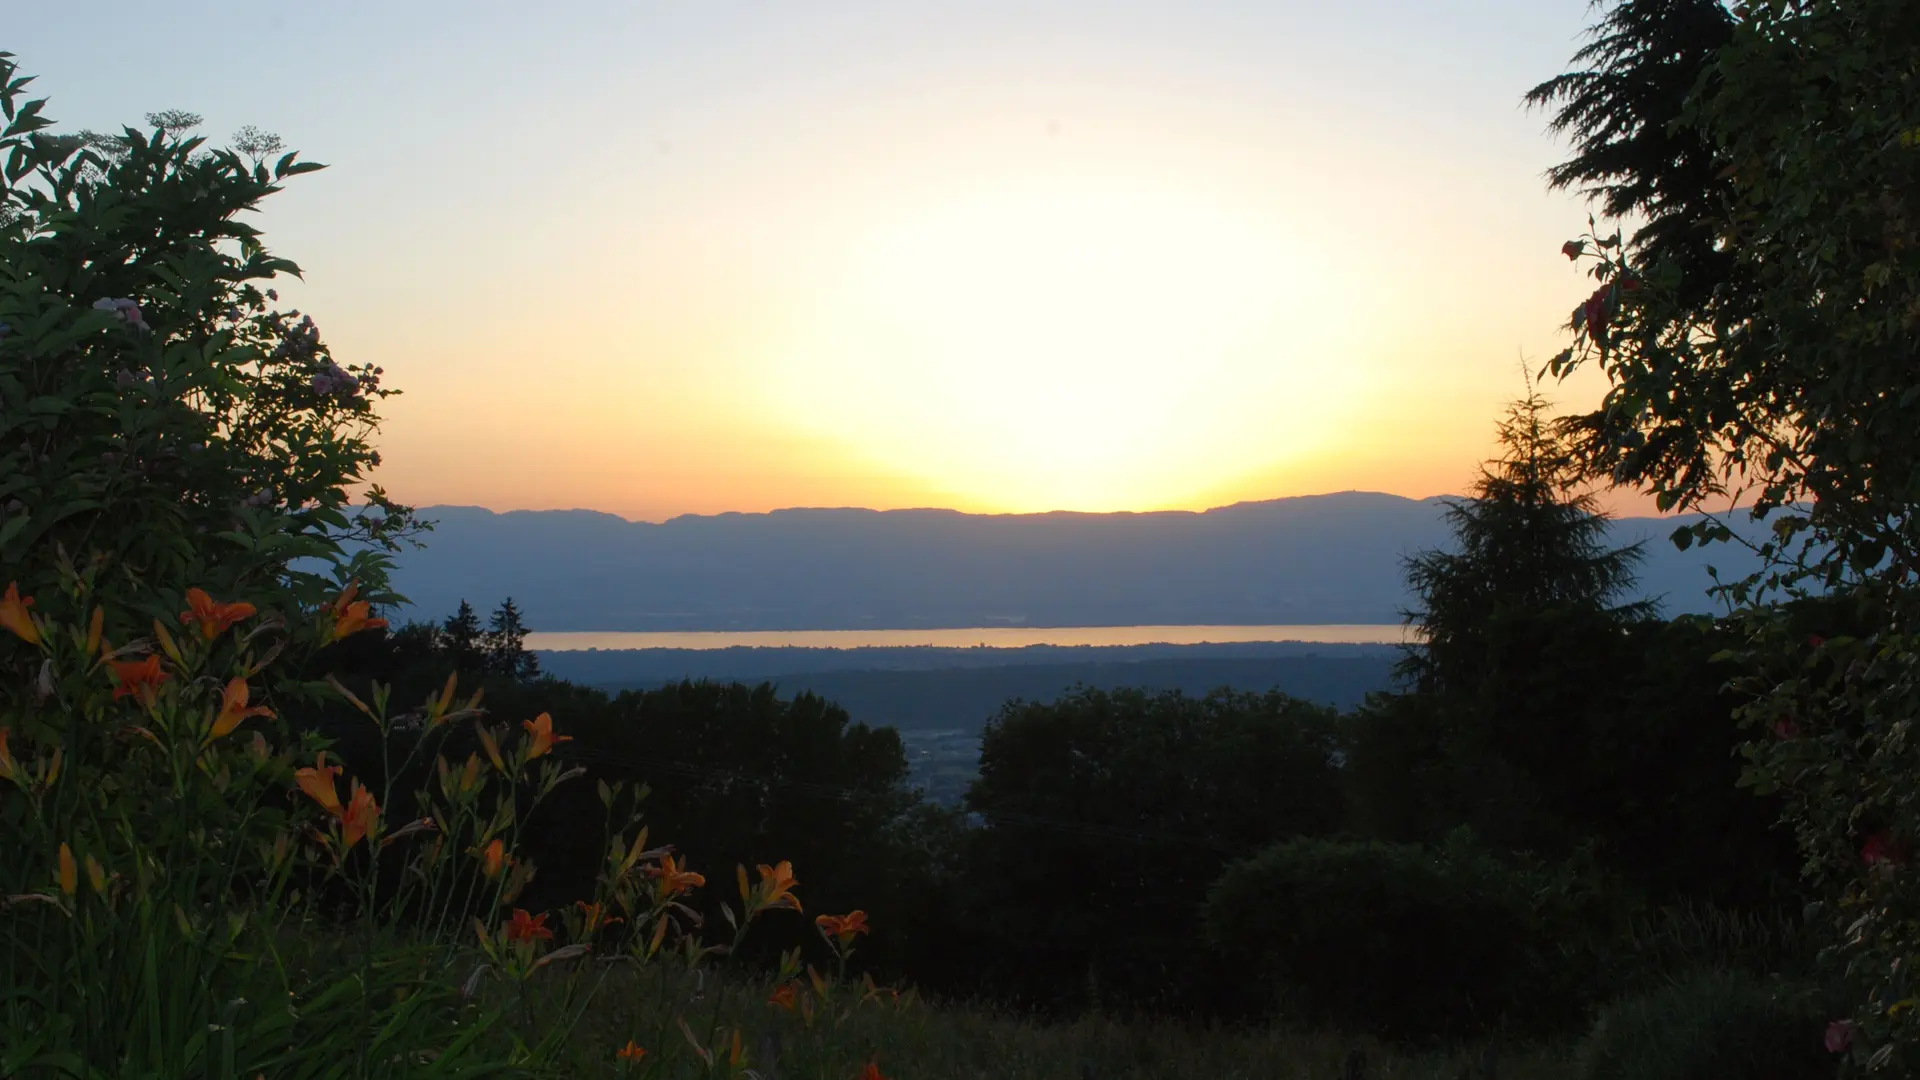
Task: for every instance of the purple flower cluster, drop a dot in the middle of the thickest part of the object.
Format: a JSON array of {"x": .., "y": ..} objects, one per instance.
[
  {"x": 299, "y": 341},
  {"x": 333, "y": 380},
  {"x": 126, "y": 309}
]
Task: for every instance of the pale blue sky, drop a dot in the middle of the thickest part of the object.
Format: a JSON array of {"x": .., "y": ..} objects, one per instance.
[{"x": 659, "y": 257}]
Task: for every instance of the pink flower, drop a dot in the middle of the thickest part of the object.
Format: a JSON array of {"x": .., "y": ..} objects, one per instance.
[
  {"x": 1840, "y": 1036},
  {"x": 1595, "y": 313},
  {"x": 1882, "y": 848},
  {"x": 125, "y": 308}
]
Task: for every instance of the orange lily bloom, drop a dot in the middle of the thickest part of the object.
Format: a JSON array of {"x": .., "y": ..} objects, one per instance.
[
  {"x": 776, "y": 886},
  {"x": 214, "y": 617},
  {"x": 541, "y": 737},
  {"x": 674, "y": 877},
  {"x": 596, "y": 917},
  {"x": 13, "y": 615},
  {"x": 525, "y": 927},
  {"x": 783, "y": 996},
  {"x": 871, "y": 1072},
  {"x": 140, "y": 678},
  {"x": 843, "y": 927},
  {"x": 350, "y": 615},
  {"x": 495, "y": 858},
  {"x": 69, "y": 873},
  {"x": 317, "y": 782},
  {"x": 359, "y": 816},
  {"x": 233, "y": 708},
  {"x": 633, "y": 1051}
]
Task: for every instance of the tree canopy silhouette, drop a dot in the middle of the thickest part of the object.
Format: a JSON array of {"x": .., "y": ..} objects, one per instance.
[{"x": 1624, "y": 108}]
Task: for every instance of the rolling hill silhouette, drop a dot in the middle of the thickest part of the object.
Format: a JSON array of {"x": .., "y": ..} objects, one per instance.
[{"x": 1314, "y": 559}]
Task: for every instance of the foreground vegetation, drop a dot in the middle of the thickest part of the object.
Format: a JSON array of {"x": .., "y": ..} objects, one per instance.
[{"x": 253, "y": 831}]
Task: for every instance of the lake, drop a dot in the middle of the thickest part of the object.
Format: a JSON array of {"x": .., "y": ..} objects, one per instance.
[{"x": 996, "y": 637}]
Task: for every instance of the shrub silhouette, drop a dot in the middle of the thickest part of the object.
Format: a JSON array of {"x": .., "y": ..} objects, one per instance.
[{"x": 1404, "y": 940}]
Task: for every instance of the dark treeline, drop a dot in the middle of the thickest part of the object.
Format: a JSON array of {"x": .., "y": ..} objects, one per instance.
[{"x": 965, "y": 698}]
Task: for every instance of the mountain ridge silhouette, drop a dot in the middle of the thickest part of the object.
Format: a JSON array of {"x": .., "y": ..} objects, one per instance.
[{"x": 1329, "y": 558}]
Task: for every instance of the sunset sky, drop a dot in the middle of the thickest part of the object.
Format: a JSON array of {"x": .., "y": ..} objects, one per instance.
[{"x": 661, "y": 257}]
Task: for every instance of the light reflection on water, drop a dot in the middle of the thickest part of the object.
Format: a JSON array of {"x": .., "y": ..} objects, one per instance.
[{"x": 999, "y": 637}]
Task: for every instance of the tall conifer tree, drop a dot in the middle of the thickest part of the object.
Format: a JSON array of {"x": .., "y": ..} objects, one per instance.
[
  {"x": 506, "y": 644},
  {"x": 1530, "y": 538}
]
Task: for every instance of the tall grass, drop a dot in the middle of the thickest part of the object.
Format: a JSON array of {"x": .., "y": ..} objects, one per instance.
[{"x": 912, "y": 1039}]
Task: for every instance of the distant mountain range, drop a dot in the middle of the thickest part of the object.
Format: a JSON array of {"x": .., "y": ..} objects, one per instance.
[{"x": 1315, "y": 559}]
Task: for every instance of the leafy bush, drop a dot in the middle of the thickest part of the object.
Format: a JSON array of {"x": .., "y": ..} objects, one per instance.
[
  {"x": 158, "y": 414},
  {"x": 1406, "y": 941},
  {"x": 1724, "y": 1024}
]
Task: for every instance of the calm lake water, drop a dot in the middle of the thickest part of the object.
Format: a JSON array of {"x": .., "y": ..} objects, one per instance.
[{"x": 999, "y": 637}]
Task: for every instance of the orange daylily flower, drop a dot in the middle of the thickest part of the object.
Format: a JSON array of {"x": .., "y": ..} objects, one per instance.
[
  {"x": 140, "y": 678},
  {"x": 13, "y": 614},
  {"x": 69, "y": 873},
  {"x": 843, "y": 927},
  {"x": 359, "y": 817},
  {"x": 776, "y": 886},
  {"x": 350, "y": 615},
  {"x": 495, "y": 858},
  {"x": 525, "y": 927},
  {"x": 871, "y": 1072},
  {"x": 596, "y": 917},
  {"x": 214, "y": 617},
  {"x": 674, "y": 877},
  {"x": 633, "y": 1051},
  {"x": 234, "y": 710},
  {"x": 317, "y": 782},
  {"x": 783, "y": 996},
  {"x": 540, "y": 736}
]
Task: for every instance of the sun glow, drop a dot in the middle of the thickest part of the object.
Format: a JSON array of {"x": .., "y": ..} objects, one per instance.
[{"x": 1055, "y": 349}]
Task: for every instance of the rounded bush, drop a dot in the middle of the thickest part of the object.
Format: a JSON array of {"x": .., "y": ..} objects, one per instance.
[
  {"x": 1401, "y": 940},
  {"x": 1725, "y": 1024}
]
